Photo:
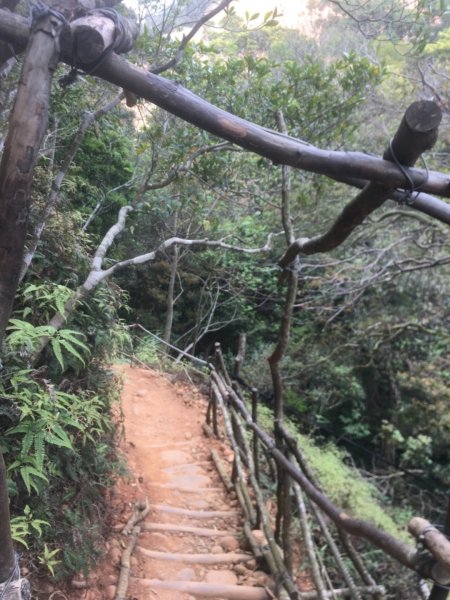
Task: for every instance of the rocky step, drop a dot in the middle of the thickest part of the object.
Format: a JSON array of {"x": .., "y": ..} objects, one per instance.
[
  {"x": 169, "y": 445},
  {"x": 209, "y": 590}
]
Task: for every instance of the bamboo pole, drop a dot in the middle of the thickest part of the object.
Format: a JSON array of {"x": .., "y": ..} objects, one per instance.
[
  {"x": 281, "y": 573},
  {"x": 222, "y": 471},
  {"x": 309, "y": 544}
]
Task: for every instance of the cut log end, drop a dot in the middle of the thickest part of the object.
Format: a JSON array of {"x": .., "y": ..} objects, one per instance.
[{"x": 423, "y": 116}]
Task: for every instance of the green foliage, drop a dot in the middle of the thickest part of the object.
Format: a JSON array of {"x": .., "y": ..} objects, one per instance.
[
  {"x": 148, "y": 351},
  {"x": 26, "y": 338},
  {"x": 26, "y": 525},
  {"x": 48, "y": 559},
  {"x": 343, "y": 483}
]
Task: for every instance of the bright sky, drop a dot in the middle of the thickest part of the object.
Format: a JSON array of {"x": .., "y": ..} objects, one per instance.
[{"x": 292, "y": 11}]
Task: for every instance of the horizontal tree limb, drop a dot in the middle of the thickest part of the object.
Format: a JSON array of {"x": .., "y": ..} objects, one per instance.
[
  {"x": 279, "y": 148},
  {"x": 417, "y": 133}
]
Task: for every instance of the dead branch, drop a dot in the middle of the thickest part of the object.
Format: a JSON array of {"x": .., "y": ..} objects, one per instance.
[
  {"x": 416, "y": 134},
  {"x": 188, "y": 37},
  {"x": 125, "y": 565},
  {"x": 141, "y": 510}
]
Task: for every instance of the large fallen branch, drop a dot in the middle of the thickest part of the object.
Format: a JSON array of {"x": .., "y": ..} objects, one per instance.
[{"x": 97, "y": 274}]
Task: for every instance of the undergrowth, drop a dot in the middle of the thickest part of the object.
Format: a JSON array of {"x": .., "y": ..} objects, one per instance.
[
  {"x": 59, "y": 447},
  {"x": 344, "y": 484}
]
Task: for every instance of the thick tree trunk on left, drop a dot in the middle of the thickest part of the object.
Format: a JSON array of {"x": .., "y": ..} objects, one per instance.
[
  {"x": 27, "y": 126},
  {"x": 28, "y": 123}
]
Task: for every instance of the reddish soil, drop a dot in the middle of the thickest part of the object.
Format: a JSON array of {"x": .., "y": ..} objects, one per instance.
[{"x": 191, "y": 543}]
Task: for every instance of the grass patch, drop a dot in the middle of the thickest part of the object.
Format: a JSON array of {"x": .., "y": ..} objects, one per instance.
[{"x": 344, "y": 484}]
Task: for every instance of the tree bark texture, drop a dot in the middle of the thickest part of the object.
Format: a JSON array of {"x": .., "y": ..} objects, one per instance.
[
  {"x": 28, "y": 123},
  {"x": 27, "y": 126},
  {"x": 90, "y": 37}
]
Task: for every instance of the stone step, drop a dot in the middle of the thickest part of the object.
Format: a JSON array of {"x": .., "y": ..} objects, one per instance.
[
  {"x": 194, "y": 514},
  {"x": 198, "y": 559},
  {"x": 209, "y": 590},
  {"x": 175, "y": 528}
]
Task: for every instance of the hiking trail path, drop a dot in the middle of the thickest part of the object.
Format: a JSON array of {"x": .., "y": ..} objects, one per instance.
[{"x": 191, "y": 543}]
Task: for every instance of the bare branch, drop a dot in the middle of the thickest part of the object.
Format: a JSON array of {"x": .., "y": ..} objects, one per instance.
[
  {"x": 188, "y": 37},
  {"x": 417, "y": 133}
]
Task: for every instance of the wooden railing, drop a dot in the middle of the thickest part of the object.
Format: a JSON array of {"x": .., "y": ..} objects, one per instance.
[{"x": 262, "y": 462}]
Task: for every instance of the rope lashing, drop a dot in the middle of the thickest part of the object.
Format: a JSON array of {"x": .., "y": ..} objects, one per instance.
[
  {"x": 409, "y": 195},
  {"x": 119, "y": 45},
  {"x": 37, "y": 10}
]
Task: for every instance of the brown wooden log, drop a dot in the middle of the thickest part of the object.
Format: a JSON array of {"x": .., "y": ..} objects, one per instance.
[
  {"x": 141, "y": 510},
  {"x": 28, "y": 122},
  {"x": 222, "y": 471},
  {"x": 417, "y": 133},
  {"x": 279, "y": 148},
  {"x": 438, "y": 592},
  {"x": 437, "y": 543},
  {"x": 7, "y": 559},
  {"x": 91, "y": 36},
  {"x": 200, "y": 531},
  {"x": 125, "y": 565},
  {"x": 402, "y": 552},
  {"x": 197, "y": 514},
  {"x": 240, "y": 354},
  {"x": 207, "y": 430},
  {"x": 209, "y": 590},
  {"x": 200, "y": 559}
]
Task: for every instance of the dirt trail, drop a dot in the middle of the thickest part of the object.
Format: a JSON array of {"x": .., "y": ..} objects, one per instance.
[{"x": 191, "y": 545}]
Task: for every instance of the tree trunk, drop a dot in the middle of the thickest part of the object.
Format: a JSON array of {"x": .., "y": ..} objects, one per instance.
[
  {"x": 171, "y": 290},
  {"x": 27, "y": 126},
  {"x": 170, "y": 295}
]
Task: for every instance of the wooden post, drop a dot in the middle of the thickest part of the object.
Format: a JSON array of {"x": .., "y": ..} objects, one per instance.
[
  {"x": 416, "y": 134},
  {"x": 240, "y": 355},
  {"x": 438, "y": 592},
  {"x": 28, "y": 123},
  {"x": 90, "y": 37}
]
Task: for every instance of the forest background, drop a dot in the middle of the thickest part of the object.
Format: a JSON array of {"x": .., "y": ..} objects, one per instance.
[{"x": 367, "y": 366}]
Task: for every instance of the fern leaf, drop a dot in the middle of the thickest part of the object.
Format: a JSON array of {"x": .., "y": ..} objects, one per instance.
[
  {"x": 56, "y": 347},
  {"x": 39, "y": 449},
  {"x": 71, "y": 350},
  {"x": 58, "y": 437},
  {"x": 27, "y": 441}
]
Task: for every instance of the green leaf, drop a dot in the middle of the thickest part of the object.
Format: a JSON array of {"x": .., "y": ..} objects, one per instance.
[
  {"x": 71, "y": 350},
  {"x": 56, "y": 347},
  {"x": 58, "y": 437}
]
